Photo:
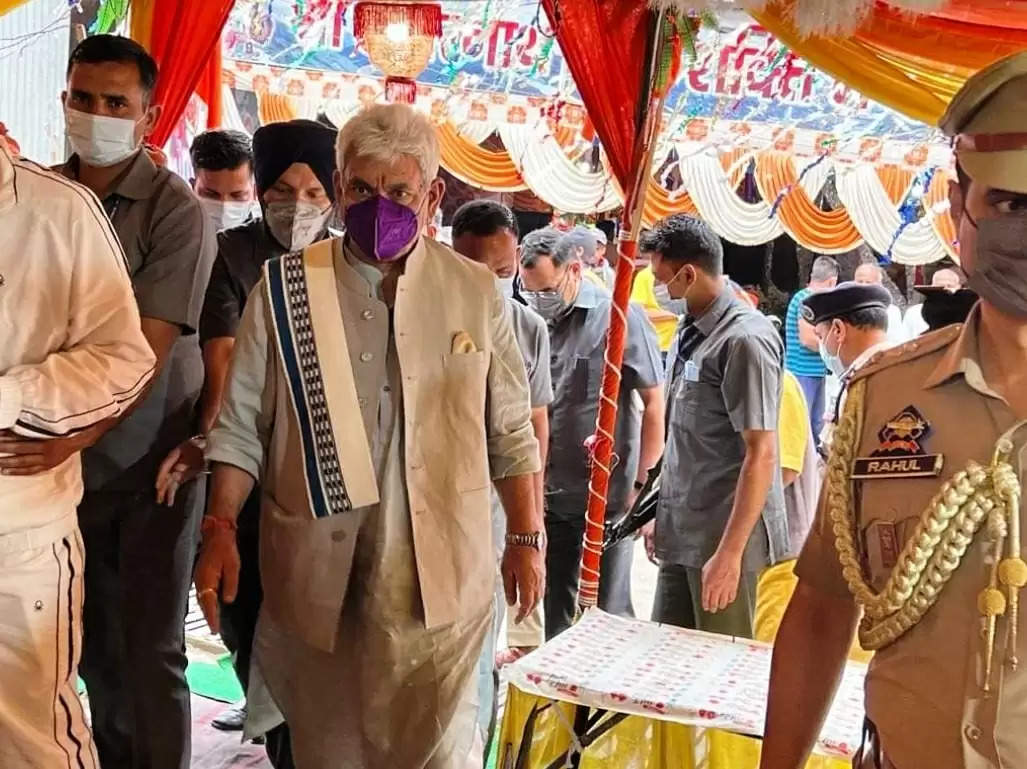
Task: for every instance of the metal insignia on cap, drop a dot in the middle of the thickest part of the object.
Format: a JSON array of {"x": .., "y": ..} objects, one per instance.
[{"x": 807, "y": 313}]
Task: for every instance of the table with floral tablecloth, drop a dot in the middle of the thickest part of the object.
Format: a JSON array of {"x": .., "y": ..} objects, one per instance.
[{"x": 670, "y": 674}]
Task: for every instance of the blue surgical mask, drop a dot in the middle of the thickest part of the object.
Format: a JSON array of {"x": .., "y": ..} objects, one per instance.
[{"x": 833, "y": 361}]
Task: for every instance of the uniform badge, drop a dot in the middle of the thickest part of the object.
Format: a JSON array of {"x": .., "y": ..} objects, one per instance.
[
  {"x": 901, "y": 454},
  {"x": 881, "y": 543}
]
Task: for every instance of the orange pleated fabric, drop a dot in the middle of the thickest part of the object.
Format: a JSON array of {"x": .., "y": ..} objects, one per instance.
[
  {"x": 475, "y": 165},
  {"x": 275, "y": 108},
  {"x": 825, "y": 231},
  {"x": 944, "y": 225},
  {"x": 659, "y": 205},
  {"x": 896, "y": 181}
]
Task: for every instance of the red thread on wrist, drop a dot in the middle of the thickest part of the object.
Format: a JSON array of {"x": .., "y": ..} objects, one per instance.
[{"x": 213, "y": 523}]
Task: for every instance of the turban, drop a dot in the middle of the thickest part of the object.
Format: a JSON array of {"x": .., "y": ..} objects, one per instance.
[{"x": 276, "y": 146}]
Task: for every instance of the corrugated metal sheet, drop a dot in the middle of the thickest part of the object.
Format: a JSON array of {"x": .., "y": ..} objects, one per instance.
[{"x": 33, "y": 57}]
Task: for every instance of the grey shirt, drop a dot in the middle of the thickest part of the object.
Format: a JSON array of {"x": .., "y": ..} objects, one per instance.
[
  {"x": 730, "y": 383},
  {"x": 578, "y": 343},
  {"x": 533, "y": 340},
  {"x": 170, "y": 245}
]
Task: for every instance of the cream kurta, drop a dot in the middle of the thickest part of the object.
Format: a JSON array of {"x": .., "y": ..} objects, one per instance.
[{"x": 396, "y": 690}]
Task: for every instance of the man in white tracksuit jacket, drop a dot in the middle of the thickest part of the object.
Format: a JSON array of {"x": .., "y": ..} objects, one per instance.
[{"x": 72, "y": 356}]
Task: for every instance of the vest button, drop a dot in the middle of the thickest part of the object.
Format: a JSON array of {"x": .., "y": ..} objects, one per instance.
[
  {"x": 366, "y": 357},
  {"x": 972, "y": 732},
  {"x": 367, "y": 315}
]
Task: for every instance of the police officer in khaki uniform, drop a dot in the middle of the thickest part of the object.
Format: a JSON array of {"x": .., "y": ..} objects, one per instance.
[{"x": 919, "y": 526}]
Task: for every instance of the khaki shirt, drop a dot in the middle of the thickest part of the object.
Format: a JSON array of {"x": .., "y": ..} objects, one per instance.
[
  {"x": 924, "y": 690},
  {"x": 170, "y": 246}
]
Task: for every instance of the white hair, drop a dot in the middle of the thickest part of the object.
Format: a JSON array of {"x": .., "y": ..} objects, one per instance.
[{"x": 384, "y": 131}]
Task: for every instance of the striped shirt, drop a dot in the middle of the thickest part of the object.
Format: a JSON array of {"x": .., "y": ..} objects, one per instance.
[{"x": 799, "y": 360}]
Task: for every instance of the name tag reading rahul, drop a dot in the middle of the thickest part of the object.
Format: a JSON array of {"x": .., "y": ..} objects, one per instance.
[{"x": 901, "y": 454}]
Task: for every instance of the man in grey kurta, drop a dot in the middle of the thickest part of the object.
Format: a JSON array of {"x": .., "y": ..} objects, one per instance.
[
  {"x": 720, "y": 519},
  {"x": 377, "y": 559},
  {"x": 578, "y": 315}
]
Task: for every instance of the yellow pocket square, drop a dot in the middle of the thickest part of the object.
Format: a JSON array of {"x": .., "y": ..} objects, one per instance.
[{"x": 462, "y": 343}]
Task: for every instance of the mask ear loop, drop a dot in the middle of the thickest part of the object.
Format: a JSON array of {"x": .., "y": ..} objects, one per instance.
[{"x": 838, "y": 351}]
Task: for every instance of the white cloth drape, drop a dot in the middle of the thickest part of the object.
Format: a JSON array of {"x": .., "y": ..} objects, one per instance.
[
  {"x": 475, "y": 131},
  {"x": 230, "y": 117},
  {"x": 748, "y": 224},
  {"x": 552, "y": 176},
  {"x": 878, "y": 220},
  {"x": 339, "y": 111}
]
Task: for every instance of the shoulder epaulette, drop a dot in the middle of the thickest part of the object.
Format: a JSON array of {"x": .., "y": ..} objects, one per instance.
[{"x": 903, "y": 353}]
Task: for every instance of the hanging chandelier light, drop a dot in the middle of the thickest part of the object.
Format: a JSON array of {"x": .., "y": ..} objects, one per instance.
[{"x": 399, "y": 38}]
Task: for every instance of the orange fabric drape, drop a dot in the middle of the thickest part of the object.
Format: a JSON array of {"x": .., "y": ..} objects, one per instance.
[
  {"x": 895, "y": 180},
  {"x": 730, "y": 159},
  {"x": 944, "y": 226},
  {"x": 183, "y": 36},
  {"x": 10, "y": 5},
  {"x": 659, "y": 205},
  {"x": 912, "y": 63},
  {"x": 475, "y": 165},
  {"x": 141, "y": 21},
  {"x": 275, "y": 108},
  {"x": 825, "y": 231},
  {"x": 209, "y": 87}
]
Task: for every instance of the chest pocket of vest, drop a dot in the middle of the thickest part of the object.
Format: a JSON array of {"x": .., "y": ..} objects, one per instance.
[{"x": 461, "y": 418}]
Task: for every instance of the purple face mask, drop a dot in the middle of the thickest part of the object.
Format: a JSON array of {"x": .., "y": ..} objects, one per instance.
[{"x": 382, "y": 229}]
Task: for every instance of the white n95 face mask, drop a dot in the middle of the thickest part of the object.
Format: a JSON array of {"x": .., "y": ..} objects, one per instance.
[
  {"x": 667, "y": 302},
  {"x": 99, "y": 140},
  {"x": 506, "y": 286},
  {"x": 295, "y": 225},
  {"x": 225, "y": 214}
]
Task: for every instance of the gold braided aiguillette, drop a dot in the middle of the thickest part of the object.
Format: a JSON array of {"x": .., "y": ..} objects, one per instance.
[{"x": 946, "y": 529}]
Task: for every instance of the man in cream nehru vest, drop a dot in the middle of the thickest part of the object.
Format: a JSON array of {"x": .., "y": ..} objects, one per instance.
[{"x": 376, "y": 552}]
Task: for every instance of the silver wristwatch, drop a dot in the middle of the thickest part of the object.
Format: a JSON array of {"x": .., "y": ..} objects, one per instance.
[{"x": 535, "y": 540}]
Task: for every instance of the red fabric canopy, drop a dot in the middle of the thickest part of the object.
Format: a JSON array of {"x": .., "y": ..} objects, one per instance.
[
  {"x": 185, "y": 39},
  {"x": 604, "y": 45},
  {"x": 610, "y": 47}
]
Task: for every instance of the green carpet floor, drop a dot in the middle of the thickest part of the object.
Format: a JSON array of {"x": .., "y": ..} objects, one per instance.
[{"x": 214, "y": 681}]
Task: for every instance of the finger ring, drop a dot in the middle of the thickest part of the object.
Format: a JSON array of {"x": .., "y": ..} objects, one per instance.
[{"x": 205, "y": 591}]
